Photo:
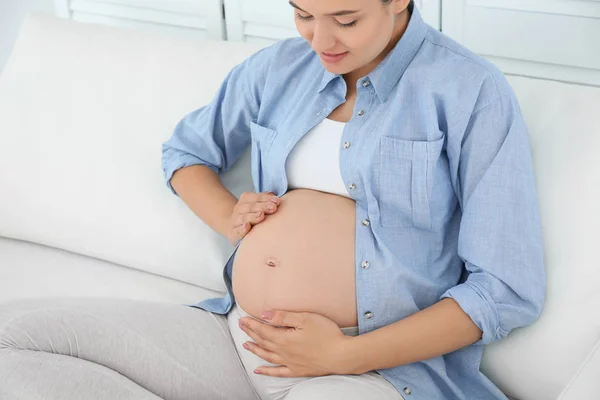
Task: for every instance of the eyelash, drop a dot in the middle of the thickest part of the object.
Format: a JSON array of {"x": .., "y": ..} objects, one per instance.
[{"x": 350, "y": 25}]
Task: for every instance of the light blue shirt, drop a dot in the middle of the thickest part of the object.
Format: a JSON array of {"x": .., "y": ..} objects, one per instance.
[{"x": 446, "y": 202}]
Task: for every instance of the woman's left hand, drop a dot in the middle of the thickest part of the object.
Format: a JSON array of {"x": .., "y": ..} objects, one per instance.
[{"x": 304, "y": 344}]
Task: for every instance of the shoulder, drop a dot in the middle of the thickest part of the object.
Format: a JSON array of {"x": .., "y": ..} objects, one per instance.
[{"x": 472, "y": 74}]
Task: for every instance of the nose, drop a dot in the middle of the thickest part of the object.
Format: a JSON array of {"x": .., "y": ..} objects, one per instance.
[{"x": 323, "y": 39}]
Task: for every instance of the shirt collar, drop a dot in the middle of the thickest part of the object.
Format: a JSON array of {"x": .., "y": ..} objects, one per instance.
[{"x": 387, "y": 74}]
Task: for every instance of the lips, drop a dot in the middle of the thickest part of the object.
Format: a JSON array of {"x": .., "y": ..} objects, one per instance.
[{"x": 333, "y": 58}]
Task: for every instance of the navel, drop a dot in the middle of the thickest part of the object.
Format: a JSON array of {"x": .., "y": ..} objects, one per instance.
[{"x": 272, "y": 262}]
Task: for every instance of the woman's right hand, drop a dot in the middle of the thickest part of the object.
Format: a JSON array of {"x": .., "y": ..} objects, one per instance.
[{"x": 251, "y": 209}]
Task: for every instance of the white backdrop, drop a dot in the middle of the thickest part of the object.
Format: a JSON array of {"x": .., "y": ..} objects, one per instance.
[{"x": 12, "y": 13}]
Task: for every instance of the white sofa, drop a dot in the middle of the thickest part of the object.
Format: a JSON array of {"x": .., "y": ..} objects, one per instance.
[{"x": 84, "y": 210}]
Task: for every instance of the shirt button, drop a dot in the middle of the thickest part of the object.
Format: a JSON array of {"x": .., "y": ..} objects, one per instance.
[
  {"x": 365, "y": 264},
  {"x": 366, "y": 83},
  {"x": 407, "y": 390},
  {"x": 368, "y": 315},
  {"x": 366, "y": 222},
  {"x": 361, "y": 113},
  {"x": 346, "y": 145},
  {"x": 352, "y": 186}
]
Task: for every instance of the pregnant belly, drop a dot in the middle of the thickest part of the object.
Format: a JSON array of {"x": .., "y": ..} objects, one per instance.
[{"x": 300, "y": 259}]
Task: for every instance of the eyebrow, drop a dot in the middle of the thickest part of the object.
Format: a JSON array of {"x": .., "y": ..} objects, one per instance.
[{"x": 335, "y": 14}]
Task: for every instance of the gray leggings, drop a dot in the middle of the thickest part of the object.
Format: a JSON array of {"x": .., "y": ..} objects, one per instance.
[{"x": 90, "y": 348}]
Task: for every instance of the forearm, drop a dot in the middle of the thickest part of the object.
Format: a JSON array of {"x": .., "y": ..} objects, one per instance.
[
  {"x": 435, "y": 331},
  {"x": 201, "y": 189}
]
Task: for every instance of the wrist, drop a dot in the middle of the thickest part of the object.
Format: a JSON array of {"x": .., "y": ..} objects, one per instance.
[
  {"x": 349, "y": 361},
  {"x": 225, "y": 224}
]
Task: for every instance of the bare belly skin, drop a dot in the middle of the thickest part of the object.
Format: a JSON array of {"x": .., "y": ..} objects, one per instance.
[{"x": 301, "y": 259}]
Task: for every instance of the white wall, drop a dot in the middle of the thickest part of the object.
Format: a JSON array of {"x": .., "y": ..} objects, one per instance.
[{"x": 12, "y": 13}]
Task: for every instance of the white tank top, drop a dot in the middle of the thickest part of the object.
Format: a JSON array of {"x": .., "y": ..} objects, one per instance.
[{"x": 314, "y": 163}]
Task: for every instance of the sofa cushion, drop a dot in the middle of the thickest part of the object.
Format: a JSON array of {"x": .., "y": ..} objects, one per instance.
[
  {"x": 33, "y": 270},
  {"x": 536, "y": 363},
  {"x": 84, "y": 110}
]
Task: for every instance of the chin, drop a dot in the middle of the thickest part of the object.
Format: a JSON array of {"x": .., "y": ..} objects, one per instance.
[{"x": 336, "y": 69}]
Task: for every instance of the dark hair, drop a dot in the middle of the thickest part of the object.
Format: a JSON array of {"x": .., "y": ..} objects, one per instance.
[{"x": 389, "y": 1}]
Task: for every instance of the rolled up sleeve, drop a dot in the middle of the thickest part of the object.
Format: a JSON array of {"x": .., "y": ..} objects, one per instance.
[
  {"x": 217, "y": 134},
  {"x": 500, "y": 239}
]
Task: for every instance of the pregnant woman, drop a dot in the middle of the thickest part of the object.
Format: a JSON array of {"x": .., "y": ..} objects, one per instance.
[{"x": 393, "y": 231}]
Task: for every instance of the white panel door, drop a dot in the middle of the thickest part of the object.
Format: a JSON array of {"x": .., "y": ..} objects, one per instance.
[
  {"x": 267, "y": 21},
  {"x": 431, "y": 10},
  {"x": 554, "y": 39},
  {"x": 264, "y": 21},
  {"x": 199, "y": 18}
]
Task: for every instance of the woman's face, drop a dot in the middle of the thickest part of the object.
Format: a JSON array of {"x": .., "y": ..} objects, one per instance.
[{"x": 357, "y": 31}]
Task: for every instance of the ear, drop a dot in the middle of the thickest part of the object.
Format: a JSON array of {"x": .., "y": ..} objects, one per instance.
[{"x": 399, "y": 6}]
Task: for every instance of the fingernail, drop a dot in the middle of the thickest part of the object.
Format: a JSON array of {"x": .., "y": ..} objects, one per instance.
[
  {"x": 270, "y": 207},
  {"x": 246, "y": 346},
  {"x": 257, "y": 371},
  {"x": 266, "y": 314}
]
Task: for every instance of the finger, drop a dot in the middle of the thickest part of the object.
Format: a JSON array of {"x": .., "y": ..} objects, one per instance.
[
  {"x": 238, "y": 234},
  {"x": 255, "y": 218},
  {"x": 242, "y": 230},
  {"x": 261, "y": 331},
  {"x": 285, "y": 318},
  {"x": 248, "y": 218},
  {"x": 253, "y": 207},
  {"x": 257, "y": 338},
  {"x": 280, "y": 371},
  {"x": 268, "y": 196},
  {"x": 253, "y": 197},
  {"x": 268, "y": 207},
  {"x": 265, "y": 354}
]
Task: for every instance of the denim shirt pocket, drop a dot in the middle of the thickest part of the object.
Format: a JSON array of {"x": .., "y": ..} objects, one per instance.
[
  {"x": 406, "y": 176},
  {"x": 262, "y": 138}
]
